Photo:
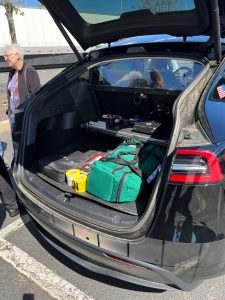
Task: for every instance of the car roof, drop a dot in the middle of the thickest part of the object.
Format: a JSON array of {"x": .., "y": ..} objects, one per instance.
[
  {"x": 94, "y": 22},
  {"x": 158, "y": 38}
]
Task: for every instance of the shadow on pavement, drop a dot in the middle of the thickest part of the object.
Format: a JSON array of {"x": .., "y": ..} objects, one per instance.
[{"x": 28, "y": 296}]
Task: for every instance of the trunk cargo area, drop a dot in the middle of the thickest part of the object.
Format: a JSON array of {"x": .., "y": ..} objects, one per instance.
[{"x": 86, "y": 125}]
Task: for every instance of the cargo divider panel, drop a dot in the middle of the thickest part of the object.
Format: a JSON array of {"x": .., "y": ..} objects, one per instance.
[{"x": 126, "y": 133}]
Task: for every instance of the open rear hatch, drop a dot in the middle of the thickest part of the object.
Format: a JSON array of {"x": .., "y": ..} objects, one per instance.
[{"x": 92, "y": 23}]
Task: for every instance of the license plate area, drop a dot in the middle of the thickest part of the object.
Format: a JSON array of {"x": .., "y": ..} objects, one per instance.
[{"x": 86, "y": 236}]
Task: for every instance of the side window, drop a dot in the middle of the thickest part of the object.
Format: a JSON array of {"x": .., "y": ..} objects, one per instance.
[
  {"x": 152, "y": 73},
  {"x": 125, "y": 73},
  {"x": 185, "y": 71}
]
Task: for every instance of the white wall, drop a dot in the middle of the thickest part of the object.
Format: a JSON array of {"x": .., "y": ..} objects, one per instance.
[{"x": 35, "y": 29}]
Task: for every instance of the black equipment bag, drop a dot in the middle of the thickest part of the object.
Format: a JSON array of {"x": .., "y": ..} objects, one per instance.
[{"x": 56, "y": 164}]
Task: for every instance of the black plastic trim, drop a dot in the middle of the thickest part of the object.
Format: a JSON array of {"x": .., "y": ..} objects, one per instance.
[{"x": 175, "y": 282}]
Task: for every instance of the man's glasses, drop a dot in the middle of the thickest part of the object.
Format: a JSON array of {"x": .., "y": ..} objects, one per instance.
[{"x": 8, "y": 55}]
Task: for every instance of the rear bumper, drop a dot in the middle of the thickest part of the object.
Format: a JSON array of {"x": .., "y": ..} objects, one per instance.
[
  {"x": 179, "y": 266},
  {"x": 87, "y": 262}
]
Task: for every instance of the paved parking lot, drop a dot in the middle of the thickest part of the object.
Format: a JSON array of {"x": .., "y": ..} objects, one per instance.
[{"x": 31, "y": 269}]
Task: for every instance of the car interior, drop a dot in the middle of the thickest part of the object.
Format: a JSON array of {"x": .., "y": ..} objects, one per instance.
[{"x": 94, "y": 112}]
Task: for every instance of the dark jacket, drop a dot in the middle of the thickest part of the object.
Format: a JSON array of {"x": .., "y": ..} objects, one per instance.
[{"x": 28, "y": 82}]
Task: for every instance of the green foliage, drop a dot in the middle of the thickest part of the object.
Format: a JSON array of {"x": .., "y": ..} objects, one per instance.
[{"x": 13, "y": 5}]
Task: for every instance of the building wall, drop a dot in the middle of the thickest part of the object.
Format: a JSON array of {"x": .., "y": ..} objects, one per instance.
[{"x": 35, "y": 29}]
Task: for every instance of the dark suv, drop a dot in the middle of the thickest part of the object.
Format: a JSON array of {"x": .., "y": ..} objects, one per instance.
[{"x": 167, "y": 91}]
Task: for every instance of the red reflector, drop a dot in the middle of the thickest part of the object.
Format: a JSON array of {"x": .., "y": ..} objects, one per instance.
[
  {"x": 119, "y": 259},
  {"x": 214, "y": 170}
]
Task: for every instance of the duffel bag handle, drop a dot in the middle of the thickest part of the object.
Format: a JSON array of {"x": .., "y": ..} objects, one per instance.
[
  {"x": 132, "y": 141},
  {"x": 123, "y": 162},
  {"x": 135, "y": 153}
]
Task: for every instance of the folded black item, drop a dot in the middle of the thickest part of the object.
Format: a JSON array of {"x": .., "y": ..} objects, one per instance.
[
  {"x": 146, "y": 127},
  {"x": 56, "y": 164},
  {"x": 107, "y": 121}
]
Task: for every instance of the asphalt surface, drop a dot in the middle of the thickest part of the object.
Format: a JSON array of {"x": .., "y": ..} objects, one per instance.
[{"x": 31, "y": 269}]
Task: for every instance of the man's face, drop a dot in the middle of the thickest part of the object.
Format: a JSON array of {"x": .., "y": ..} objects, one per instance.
[{"x": 11, "y": 58}]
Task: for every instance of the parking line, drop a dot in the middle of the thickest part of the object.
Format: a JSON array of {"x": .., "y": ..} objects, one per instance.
[
  {"x": 14, "y": 226},
  {"x": 47, "y": 280}
]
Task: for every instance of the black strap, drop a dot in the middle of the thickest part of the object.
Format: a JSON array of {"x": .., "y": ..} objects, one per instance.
[
  {"x": 131, "y": 164},
  {"x": 123, "y": 162},
  {"x": 132, "y": 141},
  {"x": 120, "y": 158},
  {"x": 135, "y": 153}
]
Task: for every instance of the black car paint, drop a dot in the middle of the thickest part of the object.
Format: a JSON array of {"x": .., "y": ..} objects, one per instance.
[
  {"x": 178, "y": 263},
  {"x": 163, "y": 263},
  {"x": 192, "y": 261}
]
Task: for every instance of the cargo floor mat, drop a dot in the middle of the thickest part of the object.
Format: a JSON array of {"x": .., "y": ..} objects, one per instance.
[{"x": 133, "y": 208}]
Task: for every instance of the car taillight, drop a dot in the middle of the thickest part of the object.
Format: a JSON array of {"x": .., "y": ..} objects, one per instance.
[{"x": 195, "y": 166}]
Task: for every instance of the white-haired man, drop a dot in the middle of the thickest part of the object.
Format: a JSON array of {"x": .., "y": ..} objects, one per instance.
[{"x": 23, "y": 79}]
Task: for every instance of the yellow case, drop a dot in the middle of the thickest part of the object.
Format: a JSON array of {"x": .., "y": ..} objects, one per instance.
[{"x": 80, "y": 182}]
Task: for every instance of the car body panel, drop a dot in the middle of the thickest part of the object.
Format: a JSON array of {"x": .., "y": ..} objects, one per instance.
[
  {"x": 158, "y": 38},
  {"x": 149, "y": 256},
  {"x": 178, "y": 240},
  {"x": 152, "y": 262}
]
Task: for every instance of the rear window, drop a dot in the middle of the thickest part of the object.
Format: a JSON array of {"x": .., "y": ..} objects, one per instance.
[
  {"x": 99, "y": 11},
  {"x": 151, "y": 73}
]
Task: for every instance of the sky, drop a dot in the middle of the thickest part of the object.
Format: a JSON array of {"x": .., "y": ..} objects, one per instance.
[{"x": 31, "y": 2}]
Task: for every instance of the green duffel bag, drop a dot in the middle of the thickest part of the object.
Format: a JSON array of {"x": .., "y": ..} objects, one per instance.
[{"x": 123, "y": 173}]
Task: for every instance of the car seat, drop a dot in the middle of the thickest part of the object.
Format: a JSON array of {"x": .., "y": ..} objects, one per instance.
[{"x": 163, "y": 66}]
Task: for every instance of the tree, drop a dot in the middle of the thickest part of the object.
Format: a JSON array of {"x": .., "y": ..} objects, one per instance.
[
  {"x": 11, "y": 6},
  {"x": 159, "y": 5}
]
